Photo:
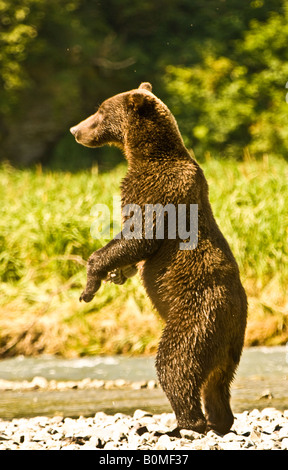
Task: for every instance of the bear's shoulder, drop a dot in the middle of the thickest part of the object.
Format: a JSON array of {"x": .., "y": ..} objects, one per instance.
[{"x": 162, "y": 183}]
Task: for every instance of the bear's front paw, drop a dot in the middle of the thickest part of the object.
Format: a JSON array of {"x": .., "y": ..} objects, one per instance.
[
  {"x": 91, "y": 289},
  {"x": 87, "y": 297}
]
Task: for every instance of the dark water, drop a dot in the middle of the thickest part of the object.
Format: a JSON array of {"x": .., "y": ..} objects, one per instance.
[{"x": 261, "y": 381}]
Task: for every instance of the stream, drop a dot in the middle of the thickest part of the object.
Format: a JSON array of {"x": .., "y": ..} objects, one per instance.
[{"x": 261, "y": 381}]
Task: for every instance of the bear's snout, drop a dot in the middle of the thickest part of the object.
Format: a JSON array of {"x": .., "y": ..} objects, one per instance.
[
  {"x": 83, "y": 134},
  {"x": 76, "y": 132},
  {"x": 73, "y": 130}
]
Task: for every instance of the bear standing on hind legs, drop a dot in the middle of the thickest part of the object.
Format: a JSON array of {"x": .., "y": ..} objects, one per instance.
[{"x": 197, "y": 291}]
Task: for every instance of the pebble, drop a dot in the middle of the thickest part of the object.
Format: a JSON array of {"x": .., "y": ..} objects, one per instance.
[
  {"x": 259, "y": 430},
  {"x": 41, "y": 383}
]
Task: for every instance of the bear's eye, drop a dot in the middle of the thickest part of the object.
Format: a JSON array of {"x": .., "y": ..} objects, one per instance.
[{"x": 100, "y": 114}]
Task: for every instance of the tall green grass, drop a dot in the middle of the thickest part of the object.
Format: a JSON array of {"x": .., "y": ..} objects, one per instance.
[{"x": 45, "y": 239}]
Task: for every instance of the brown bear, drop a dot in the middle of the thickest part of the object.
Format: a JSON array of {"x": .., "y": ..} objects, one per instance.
[{"x": 196, "y": 291}]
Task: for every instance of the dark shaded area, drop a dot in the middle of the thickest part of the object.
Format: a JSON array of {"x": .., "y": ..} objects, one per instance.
[{"x": 221, "y": 67}]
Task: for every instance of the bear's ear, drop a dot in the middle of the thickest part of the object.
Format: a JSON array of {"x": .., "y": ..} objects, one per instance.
[{"x": 146, "y": 86}]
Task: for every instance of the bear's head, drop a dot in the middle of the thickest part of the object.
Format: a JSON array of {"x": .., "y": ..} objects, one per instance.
[{"x": 130, "y": 119}]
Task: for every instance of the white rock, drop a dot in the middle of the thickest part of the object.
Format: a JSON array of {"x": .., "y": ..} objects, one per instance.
[
  {"x": 189, "y": 434},
  {"x": 283, "y": 432},
  {"x": 133, "y": 441},
  {"x": 230, "y": 445},
  {"x": 110, "y": 446},
  {"x": 70, "y": 447},
  {"x": 213, "y": 435},
  {"x": 100, "y": 416},
  {"x": 169, "y": 420},
  {"x": 164, "y": 443},
  {"x": 149, "y": 421},
  {"x": 254, "y": 413},
  {"x": 284, "y": 444},
  {"x": 138, "y": 414},
  {"x": 151, "y": 384},
  {"x": 232, "y": 437},
  {"x": 271, "y": 413},
  {"x": 40, "y": 436},
  {"x": 39, "y": 382},
  {"x": 120, "y": 432}
]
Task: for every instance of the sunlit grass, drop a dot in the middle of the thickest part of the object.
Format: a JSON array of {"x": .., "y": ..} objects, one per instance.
[
  {"x": 45, "y": 239},
  {"x": 250, "y": 203}
]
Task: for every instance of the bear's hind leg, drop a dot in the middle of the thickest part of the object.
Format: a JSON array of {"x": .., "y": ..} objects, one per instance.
[
  {"x": 183, "y": 394},
  {"x": 216, "y": 399},
  {"x": 181, "y": 377}
]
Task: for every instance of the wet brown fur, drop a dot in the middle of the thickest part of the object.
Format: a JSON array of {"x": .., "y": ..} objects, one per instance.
[{"x": 197, "y": 292}]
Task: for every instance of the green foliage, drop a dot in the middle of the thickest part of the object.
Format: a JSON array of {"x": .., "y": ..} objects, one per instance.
[
  {"x": 222, "y": 68},
  {"x": 35, "y": 40},
  {"x": 225, "y": 104}
]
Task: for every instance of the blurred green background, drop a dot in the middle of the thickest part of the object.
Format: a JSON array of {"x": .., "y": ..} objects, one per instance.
[{"x": 221, "y": 66}]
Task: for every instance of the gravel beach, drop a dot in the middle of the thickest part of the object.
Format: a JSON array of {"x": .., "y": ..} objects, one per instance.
[
  {"x": 254, "y": 430},
  {"x": 265, "y": 429}
]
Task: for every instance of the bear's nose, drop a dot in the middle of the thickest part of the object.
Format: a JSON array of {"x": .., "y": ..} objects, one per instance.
[{"x": 73, "y": 130}]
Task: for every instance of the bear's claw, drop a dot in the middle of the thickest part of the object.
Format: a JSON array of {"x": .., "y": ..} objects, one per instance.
[
  {"x": 88, "y": 294},
  {"x": 87, "y": 297}
]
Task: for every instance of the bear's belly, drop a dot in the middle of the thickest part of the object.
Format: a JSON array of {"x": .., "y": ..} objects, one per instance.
[
  {"x": 156, "y": 276},
  {"x": 153, "y": 282}
]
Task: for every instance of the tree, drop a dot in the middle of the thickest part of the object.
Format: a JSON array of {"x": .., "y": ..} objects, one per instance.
[
  {"x": 221, "y": 67},
  {"x": 234, "y": 103}
]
